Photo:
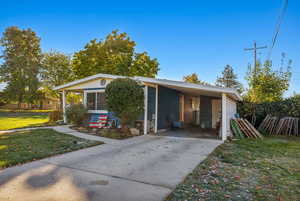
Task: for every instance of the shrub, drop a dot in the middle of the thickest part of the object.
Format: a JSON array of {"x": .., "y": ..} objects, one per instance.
[
  {"x": 287, "y": 107},
  {"x": 125, "y": 97},
  {"x": 76, "y": 114},
  {"x": 55, "y": 115}
]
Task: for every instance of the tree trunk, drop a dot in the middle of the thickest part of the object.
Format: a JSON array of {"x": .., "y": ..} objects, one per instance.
[
  {"x": 124, "y": 126},
  {"x": 41, "y": 105},
  {"x": 253, "y": 120},
  {"x": 20, "y": 100},
  {"x": 124, "y": 129},
  {"x": 60, "y": 102}
]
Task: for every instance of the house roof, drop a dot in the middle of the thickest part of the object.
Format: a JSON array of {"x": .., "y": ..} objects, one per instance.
[
  {"x": 86, "y": 79},
  {"x": 164, "y": 82}
]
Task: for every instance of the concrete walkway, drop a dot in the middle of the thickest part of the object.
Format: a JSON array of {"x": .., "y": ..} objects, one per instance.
[
  {"x": 145, "y": 168},
  {"x": 65, "y": 129}
]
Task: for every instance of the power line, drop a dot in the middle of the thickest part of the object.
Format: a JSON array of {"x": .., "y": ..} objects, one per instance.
[{"x": 277, "y": 27}]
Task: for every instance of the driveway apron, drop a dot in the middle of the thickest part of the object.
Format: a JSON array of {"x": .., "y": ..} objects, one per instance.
[{"x": 144, "y": 168}]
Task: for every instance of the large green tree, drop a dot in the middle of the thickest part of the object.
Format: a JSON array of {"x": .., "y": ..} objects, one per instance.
[
  {"x": 229, "y": 79},
  {"x": 56, "y": 70},
  {"x": 266, "y": 84},
  {"x": 193, "y": 78},
  {"x": 21, "y": 66},
  {"x": 114, "y": 55}
]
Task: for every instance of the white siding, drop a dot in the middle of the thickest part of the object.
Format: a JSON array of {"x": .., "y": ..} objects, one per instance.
[{"x": 230, "y": 112}]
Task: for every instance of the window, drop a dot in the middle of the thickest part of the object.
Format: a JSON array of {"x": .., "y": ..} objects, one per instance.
[
  {"x": 95, "y": 101},
  {"x": 91, "y": 101},
  {"x": 101, "y": 101}
]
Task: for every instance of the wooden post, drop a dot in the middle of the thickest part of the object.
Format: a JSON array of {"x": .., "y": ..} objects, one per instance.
[
  {"x": 224, "y": 117},
  {"x": 64, "y": 105},
  {"x": 156, "y": 109},
  {"x": 85, "y": 99}
]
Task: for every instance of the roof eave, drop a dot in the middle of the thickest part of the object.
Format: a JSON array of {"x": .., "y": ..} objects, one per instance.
[
  {"x": 155, "y": 81},
  {"x": 193, "y": 86},
  {"x": 86, "y": 79}
]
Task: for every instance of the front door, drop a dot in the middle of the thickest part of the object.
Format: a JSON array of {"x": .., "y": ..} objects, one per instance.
[{"x": 205, "y": 112}]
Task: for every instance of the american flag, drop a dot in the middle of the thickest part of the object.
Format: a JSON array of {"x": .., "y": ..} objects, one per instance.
[{"x": 98, "y": 120}]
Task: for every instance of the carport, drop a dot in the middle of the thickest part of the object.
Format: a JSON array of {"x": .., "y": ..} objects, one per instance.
[{"x": 190, "y": 110}]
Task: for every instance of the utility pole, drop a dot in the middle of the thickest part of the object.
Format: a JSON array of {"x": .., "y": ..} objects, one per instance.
[{"x": 255, "y": 48}]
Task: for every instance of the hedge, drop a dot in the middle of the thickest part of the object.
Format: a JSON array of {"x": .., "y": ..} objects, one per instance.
[{"x": 289, "y": 107}]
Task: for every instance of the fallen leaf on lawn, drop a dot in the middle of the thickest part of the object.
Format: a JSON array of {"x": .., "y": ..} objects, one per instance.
[
  {"x": 237, "y": 177},
  {"x": 258, "y": 187},
  {"x": 227, "y": 196}
]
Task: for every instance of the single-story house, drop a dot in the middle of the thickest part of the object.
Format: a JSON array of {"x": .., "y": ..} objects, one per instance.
[{"x": 166, "y": 102}]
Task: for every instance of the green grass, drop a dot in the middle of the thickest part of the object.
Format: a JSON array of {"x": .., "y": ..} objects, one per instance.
[
  {"x": 24, "y": 146},
  {"x": 246, "y": 169},
  {"x": 13, "y": 120}
]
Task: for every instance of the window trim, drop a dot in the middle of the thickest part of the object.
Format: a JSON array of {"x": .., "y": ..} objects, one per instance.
[{"x": 85, "y": 100}]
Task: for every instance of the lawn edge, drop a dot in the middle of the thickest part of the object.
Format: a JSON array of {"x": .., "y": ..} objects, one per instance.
[
  {"x": 54, "y": 155},
  {"x": 201, "y": 163}
]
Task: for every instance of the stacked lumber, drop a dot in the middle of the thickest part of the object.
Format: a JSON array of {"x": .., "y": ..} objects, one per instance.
[
  {"x": 242, "y": 128},
  {"x": 269, "y": 125},
  {"x": 236, "y": 129},
  {"x": 284, "y": 126}
]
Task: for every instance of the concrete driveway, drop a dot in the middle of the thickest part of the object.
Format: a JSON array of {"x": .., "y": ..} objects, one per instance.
[{"x": 144, "y": 168}]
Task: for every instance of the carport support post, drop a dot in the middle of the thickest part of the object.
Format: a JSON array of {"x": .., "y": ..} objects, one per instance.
[
  {"x": 224, "y": 117},
  {"x": 145, "y": 109},
  {"x": 156, "y": 108},
  {"x": 64, "y": 105}
]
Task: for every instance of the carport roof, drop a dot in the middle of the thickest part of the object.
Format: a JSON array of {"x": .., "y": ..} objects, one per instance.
[{"x": 164, "y": 82}]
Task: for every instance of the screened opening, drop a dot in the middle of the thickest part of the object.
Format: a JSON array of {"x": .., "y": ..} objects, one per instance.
[
  {"x": 101, "y": 101},
  {"x": 96, "y": 101},
  {"x": 91, "y": 101}
]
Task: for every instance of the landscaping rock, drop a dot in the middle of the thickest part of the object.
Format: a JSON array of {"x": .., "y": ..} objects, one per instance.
[{"x": 134, "y": 131}]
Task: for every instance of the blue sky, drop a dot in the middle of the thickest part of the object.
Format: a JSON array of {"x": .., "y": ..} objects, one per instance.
[{"x": 185, "y": 36}]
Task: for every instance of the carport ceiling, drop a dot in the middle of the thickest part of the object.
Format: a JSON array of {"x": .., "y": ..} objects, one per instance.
[{"x": 194, "y": 92}]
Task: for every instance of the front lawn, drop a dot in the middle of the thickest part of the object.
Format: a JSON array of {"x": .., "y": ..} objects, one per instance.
[
  {"x": 23, "y": 146},
  {"x": 247, "y": 169},
  {"x": 13, "y": 120}
]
